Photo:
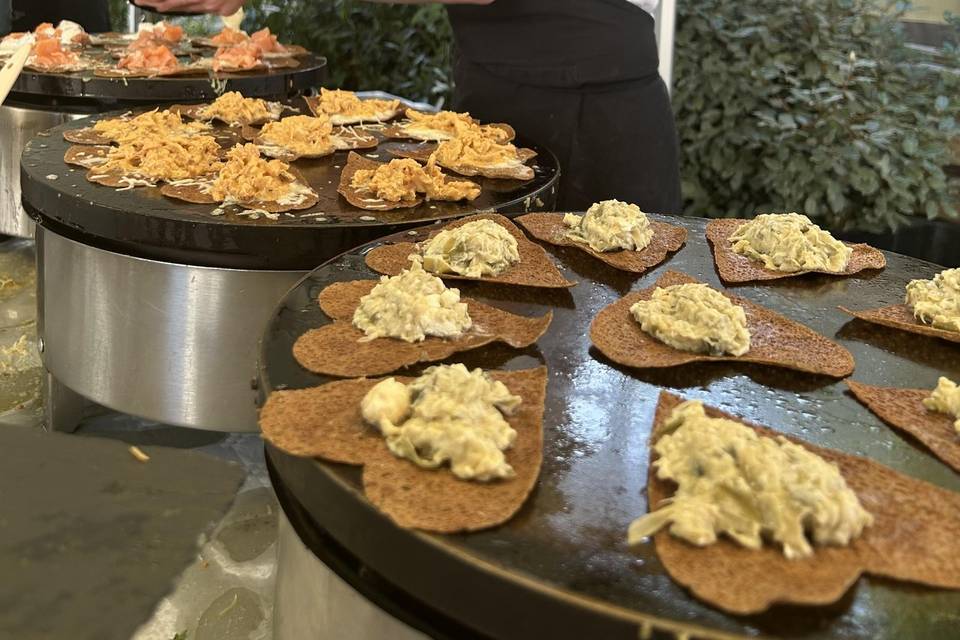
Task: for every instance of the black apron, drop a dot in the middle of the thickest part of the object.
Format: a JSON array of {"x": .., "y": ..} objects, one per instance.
[
  {"x": 579, "y": 77},
  {"x": 92, "y": 15}
]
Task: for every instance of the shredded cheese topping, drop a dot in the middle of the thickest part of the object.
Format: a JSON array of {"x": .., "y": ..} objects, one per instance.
[
  {"x": 304, "y": 135},
  {"x": 447, "y": 125},
  {"x": 473, "y": 149},
  {"x": 402, "y": 179},
  {"x": 164, "y": 158},
  {"x": 148, "y": 124},
  {"x": 246, "y": 177},
  {"x": 336, "y": 102},
  {"x": 233, "y": 108}
]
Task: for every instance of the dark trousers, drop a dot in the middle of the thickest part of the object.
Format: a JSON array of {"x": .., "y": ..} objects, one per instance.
[{"x": 614, "y": 140}]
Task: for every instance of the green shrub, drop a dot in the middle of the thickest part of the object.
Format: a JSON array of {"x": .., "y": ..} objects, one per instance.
[
  {"x": 811, "y": 105},
  {"x": 405, "y": 50}
]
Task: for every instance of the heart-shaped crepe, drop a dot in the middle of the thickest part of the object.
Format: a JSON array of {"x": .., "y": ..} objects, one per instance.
[
  {"x": 375, "y": 110},
  {"x": 87, "y": 136},
  {"x": 179, "y": 70},
  {"x": 774, "y": 339},
  {"x": 414, "y": 130},
  {"x": 198, "y": 112},
  {"x": 900, "y": 316},
  {"x": 514, "y": 171},
  {"x": 915, "y": 537},
  {"x": 335, "y": 349},
  {"x": 362, "y": 199},
  {"x": 341, "y": 139},
  {"x": 903, "y": 409},
  {"x": 325, "y": 422},
  {"x": 533, "y": 270},
  {"x": 667, "y": 238},
  {"x": 198, "y": 192},
  {"x": 86, "y": 156},
  {"x": 736, "y": 268}
]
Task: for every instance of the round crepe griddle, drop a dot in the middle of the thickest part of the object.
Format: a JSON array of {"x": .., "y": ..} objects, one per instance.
[
  {"x": 561, "y": 568},
  {"x": 144, "y": 223},
  {"x": 46, "y": 87}
]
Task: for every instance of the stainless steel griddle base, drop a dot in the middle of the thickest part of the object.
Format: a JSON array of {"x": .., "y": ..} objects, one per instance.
[
  {"x": 312, "y": 601},
  {"x": 168, "y": 342},
  {"x": 17, "y": 125}
]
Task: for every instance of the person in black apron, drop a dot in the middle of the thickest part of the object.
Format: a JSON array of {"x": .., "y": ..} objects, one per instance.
[
  {"x": 92, "y": 15},
  {"x": 577, "y": 76},
  {"x": 581, "y": 78}
]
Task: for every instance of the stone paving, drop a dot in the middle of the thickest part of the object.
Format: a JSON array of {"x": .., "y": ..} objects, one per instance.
[{"x": 227, "y": 594}]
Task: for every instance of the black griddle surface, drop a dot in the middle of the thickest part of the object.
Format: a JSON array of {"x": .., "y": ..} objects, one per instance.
[
  {"x": 561, "y": 567},
  {"x": 144, "y": 223}
]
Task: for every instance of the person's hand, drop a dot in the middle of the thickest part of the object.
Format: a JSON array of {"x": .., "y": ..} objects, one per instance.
[{"x": 219, "y": 7}]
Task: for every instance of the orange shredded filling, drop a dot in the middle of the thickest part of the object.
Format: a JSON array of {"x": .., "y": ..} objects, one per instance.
[
  {"x": 346, "y": 103},
  {"x": 304, "y": 135},
  {"x": 233, "y": 107},
  {"x": 473, "y": 149},
  {"x": 453, "y": 124},
  {"x": 150, "y": 123},
  {"x": 246, "y": 177},
  {"x": 152, "y": 58},
  {"x": 403, "y": 179},
  {"x": 165, "y": 157}
]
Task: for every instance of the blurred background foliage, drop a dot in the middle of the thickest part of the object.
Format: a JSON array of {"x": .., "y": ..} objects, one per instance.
[{"x": 819, "y": 106}]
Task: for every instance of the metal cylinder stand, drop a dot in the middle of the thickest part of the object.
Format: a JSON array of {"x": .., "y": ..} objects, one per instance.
[
  {"x": 17, "y": 125},
  {"x": 169, "y": 342}
]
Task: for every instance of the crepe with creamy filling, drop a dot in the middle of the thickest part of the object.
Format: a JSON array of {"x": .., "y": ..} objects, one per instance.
[
  {"x": 912, "y": 537},
  {"x": 774, "y": 339},
  {"x": 534, "y": 268},
  {"x": 327, "y": 422}
]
